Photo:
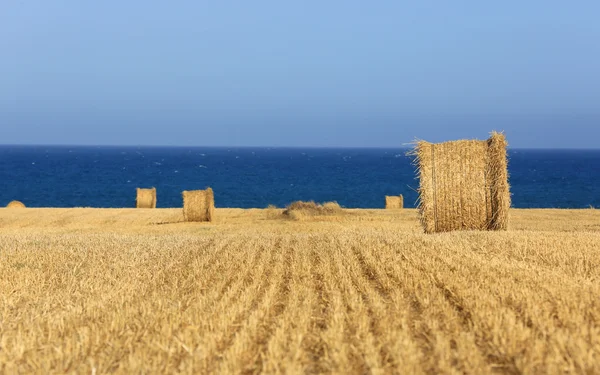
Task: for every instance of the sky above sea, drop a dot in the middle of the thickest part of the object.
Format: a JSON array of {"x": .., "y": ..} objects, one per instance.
[{"x": 311, "y": 73}]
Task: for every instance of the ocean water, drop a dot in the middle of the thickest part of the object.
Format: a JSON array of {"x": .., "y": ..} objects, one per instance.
[{"x": 53, "y": 176}]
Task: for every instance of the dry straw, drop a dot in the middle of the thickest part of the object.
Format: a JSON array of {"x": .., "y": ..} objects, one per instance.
[
  {"x": 300, "y": 209},
  {"x": 393, "y": 202},
  {"x": 15, "y": 204},
  {"x": 463, "y": 185},
  {"x": 146, "y": 198},
  {"x": 199, "y": 205}
]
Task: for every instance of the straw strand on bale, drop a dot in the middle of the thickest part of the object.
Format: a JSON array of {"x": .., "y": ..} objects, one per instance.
[
  {"x": 198, "y": 205},
  {"x": 394, "y": 202},
  {"x": 146, "y": 198},
  {"x": 463, "y": 185},
  {"x": 425, "y": 161},
  {"x": 498, "y": 176},
  {"x": 15, "y": 204}
]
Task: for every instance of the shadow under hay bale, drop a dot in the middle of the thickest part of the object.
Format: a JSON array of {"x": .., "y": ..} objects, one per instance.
[
  {"x": 463, "y": 185},
  {"x": 146, "y": 198},
  {"x": 198, "y": 205},
  {"x": 394, "y": 202},
  {"x": 15, "y": 204}
]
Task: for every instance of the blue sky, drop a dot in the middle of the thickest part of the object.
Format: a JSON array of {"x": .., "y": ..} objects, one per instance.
[{"x": 304, "y": 73}]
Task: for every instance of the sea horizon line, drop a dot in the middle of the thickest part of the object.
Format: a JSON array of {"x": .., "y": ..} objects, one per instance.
[{"x": 402, "y": 147}]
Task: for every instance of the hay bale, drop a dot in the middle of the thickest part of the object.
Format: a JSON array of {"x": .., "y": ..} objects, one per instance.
[
  {"x": 15, "y": 204},
  {"x": 199, "y": 205},
  {"x": 463, "y": 185},
  {"x": 393, "y": 202},
  {"x": 332, "y": 207},
  {"x": 300, "y": 209},
  {"x": 146, "y": 198}
]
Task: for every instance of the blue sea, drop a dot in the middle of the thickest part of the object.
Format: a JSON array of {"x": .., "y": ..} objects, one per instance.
[{"x": 63, "y": 176}]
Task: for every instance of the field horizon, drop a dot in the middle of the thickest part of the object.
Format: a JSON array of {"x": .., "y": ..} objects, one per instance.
[{"x": 91, "y": 290}]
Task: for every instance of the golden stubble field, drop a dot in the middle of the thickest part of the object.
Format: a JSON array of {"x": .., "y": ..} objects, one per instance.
[{"x": 138, "y": 291}]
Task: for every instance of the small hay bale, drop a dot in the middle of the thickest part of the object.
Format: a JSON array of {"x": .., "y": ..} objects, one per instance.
[
  {"x": 393, "y": 202},
  {"x": 463, "y": 185},
  {"x": 146, "y": 198},
  {"x": 332, "y": 208},
  {"x": 199, "y": 205},
  {"x": 300, "y": 209},
  {"x": 15, "y": 204},
  {"x": 303, "y": 206}
]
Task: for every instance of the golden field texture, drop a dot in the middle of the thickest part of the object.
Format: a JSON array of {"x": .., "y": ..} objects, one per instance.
[{"x": 141, "y": 291}]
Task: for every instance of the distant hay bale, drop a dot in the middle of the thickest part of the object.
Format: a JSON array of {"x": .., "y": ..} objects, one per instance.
[
  {"x": 199, "y": 205},
  {"x": 299, "y": 209},
  {"x": 394, "y": 202},
  {"x": 463, "y": 185},
  {"x": 146, "y": 198},
  {"x": 332, "y": 207},
  {"x": 15, "y": 204}
]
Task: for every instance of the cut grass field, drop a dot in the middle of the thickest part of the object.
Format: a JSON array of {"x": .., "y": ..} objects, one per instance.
[{"x": 140, "y": 291}]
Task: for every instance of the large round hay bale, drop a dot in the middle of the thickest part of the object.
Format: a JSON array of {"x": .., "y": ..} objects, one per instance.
[
  {"x": 463, "y": 185},
  {"x": 199, "y": 205},
  {"x": 146, "y": 198},
  {"x": 15, "y": 204}
]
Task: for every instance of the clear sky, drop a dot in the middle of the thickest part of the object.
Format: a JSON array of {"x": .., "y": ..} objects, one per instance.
[{"x": 299, "y": 73}]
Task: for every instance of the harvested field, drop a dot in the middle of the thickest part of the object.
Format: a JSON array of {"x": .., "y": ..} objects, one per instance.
[{"x": 142, "y": 291}]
